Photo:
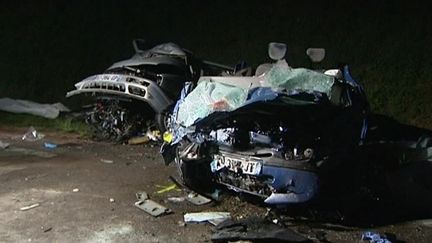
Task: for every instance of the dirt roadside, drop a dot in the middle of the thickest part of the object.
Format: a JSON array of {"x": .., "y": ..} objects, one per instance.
[{"x": 30, "y": 173}]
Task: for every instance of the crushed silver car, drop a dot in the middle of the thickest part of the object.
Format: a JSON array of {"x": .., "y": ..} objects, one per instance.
[{"x": 136, "y": 92}]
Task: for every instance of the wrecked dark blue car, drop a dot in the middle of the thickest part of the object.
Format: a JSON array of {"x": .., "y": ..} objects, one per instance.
[
  {"x": 285, "y": 135},
  {"x": 268, "y": 135}
]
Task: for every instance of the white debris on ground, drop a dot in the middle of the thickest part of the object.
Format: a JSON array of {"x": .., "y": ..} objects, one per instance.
[
  {"x": 211, "y": 217},
  {"x": 4, "y": 145},
  {"x": 32, "y": 135},
  {"x": 106, "y": 161},
  {"x": 30, "y": 207},
  {"x": 50, "y": 111}
]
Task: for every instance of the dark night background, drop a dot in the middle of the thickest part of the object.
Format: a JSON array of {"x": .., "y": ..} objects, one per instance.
[{"x": 48, "y": 46}]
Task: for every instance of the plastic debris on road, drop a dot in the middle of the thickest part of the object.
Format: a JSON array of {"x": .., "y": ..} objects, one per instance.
[
  {"x": 106, "y": 161},
  {"x": 153, "y": 135},
  {"x": 197, "y": 199},
  {"x": 255, "y": 229},
  {"x": 46, "y": 229},
  {"x": 32, "y": 135},
  {"x": 4, "y": 145},
  {"x": 166, "y": 188},
  {"x": 176, "y": 199},
  {"x": 374, "y": 237},
  {"x": 50, "y": 145},
  {"x": 141, "y": 196},
  {"x": 167, "y": 137},
  {"x": 30, "y": 207},
  {"x": 151, "y": 207},
  {"x": 212, "y": 217}
]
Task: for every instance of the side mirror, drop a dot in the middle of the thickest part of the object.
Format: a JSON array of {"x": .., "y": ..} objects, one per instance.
[
  {"x": 277, "y": 50},
  {"x": 316, "y": 54}
]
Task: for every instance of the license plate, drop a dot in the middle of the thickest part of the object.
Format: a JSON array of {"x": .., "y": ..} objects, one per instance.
[
  {"x": 238, "y": 165},
  {"x": 105, "y": 77}
]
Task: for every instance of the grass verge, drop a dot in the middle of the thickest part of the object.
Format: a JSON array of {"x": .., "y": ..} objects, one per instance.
[{"x": 63, "y": 123}]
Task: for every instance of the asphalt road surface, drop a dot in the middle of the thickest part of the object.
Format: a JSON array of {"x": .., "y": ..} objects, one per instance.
[{"x": 101, "y": 208}]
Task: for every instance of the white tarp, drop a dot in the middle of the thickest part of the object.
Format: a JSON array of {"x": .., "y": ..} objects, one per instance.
[
  {"x": 209, "y": 97},
  {"x": 227, "y": 93},
  {"x": 50, "y": 111}
]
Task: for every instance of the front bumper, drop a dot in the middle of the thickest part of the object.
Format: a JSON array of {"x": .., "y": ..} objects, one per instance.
[
  {"x": 278, "y": 181},
  {"x": 125, "y": 86}
]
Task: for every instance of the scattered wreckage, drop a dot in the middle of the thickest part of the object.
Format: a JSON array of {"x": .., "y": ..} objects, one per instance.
[
  {"x": 285, "y": 135},
  {"x": 281, "y": 135},
  {"x": 136, "y": 93}
]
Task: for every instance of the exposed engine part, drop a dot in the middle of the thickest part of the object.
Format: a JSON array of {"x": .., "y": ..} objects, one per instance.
[
  {"x": 111, "y": 120},
  {"x": 286, "y": 144}
]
